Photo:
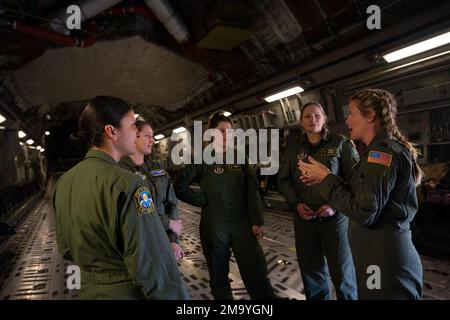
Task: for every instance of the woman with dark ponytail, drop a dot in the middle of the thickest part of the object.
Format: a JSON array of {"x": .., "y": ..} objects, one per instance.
[
  {"x": 106, "y": 219},
  {"x": 380, "y": 199}
]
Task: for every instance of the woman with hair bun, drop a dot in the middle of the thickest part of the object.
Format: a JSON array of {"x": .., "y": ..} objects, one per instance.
[{"x": 106, "y": 219}]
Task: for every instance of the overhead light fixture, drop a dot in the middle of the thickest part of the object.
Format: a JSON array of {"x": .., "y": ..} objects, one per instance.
[
  {"x": 2, "y": 118},
  {"x": 47, "y": 133},
  {"x": 284, "y": 94},
  {"x": 30, "y": 141},
  {"x": 39, "y": 147},
  {"x": 42, "y": 150},
  {"x": 420, "y": 60},
  {"x": 136, "y": 115},
  {"x": 159, "y": 136},
  {"x": 21, "y": 134},
  {"x": 227, "y": 114},
  {"x": 417, "y": 48},
  {"x": 21, "y": 143},
  {"x": 31, "y": 147},
  {"x": 179, "y": 130}
]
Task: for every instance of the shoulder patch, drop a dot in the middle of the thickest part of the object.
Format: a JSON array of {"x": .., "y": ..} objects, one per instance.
[
  {"x": 143, "y": 201},
  {"x": 328, "y": 151},
  {"x": 158, "y": 172},
  {"x": 378, "y": 157},
  {"x": 219, "y": 169}
]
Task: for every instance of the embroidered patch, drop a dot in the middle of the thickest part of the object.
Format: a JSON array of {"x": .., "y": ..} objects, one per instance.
[
  {"x": 328, "y": 151},
  {"x": 158, "y": 172},
  {"x": 143, "y": 201},
  {"x": 218, "y": 170},
  {"x": 378, "y": 157},
  {"x": 302, "y": 155},
  {"x": 234, "y": 167}
]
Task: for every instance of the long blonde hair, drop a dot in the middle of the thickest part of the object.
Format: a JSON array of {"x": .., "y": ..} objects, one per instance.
[{"x": 383, "y": 104}]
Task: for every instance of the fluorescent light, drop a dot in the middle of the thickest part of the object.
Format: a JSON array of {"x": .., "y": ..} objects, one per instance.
[
  {"x": 30, "y": 141},
  {"x": 179, "y": 130},
  {"x": 39, "y": 147},
  {"x": 22, "y": 134},
  {"x": 418, "y": 48},
  {"x": 136, "y": 115},
  {"x": 31, "y": 147},
  {"x": 47, "y": 133},
  {"x": 227, "y": 114},
  {"x": 2, "y": 118},
  {"x": 420, "y": 60},
  {"x": 42, "y": 150},
  {"x": 159, "y": 136},
  {"x": 284, "y": 94}
]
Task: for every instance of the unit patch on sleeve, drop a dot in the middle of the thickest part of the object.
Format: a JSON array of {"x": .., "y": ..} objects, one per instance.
[{"x": 143, "y": 201}]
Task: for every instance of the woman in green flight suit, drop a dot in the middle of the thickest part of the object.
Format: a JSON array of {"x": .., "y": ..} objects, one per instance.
[
  {"x": 158, "y": 179},
  {"x": 320, "y": 230},
  {"x": 231, "y": 218},
  {"x": 380, "y": 199},
  {"x": 106, "y": 220}
]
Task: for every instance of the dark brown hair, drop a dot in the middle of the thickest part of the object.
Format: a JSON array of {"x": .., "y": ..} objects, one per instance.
[
  {"x": 98, "y": 113},
  {"x": 218, "y": 117}
]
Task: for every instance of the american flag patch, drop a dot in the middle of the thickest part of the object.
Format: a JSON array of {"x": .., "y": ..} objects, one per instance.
[{"x": 379, "y": 157}]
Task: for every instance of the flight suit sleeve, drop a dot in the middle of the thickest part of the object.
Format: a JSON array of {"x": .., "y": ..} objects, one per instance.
[
  {"x": 285, "y": 187},
  {"x": 171, "y": 203},
  {"x": 363, "y": 199},
  {"x": 254, "y": 203},
  {"x": 187, "y": 176},
  {"x": 172, "y": 236},
  {"x": 146, "y": 251},
  {"x": 63, "y": 248},
  {"x": 350, "y": 158},
  {"x": 165, "y": 220}
]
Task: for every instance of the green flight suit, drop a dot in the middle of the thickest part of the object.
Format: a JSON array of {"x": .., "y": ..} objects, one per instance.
[
  {"x": 165, "y": 198},
  {"x": 231, "y": 204},
  {"x": 380, "y": 201},
  {"x": 320, "y": 241},
  {"x": 106, "y": 222}
]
